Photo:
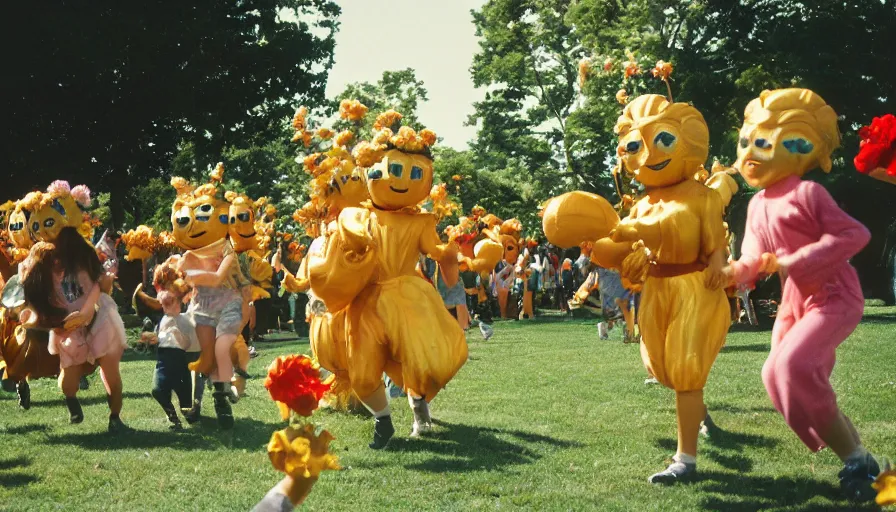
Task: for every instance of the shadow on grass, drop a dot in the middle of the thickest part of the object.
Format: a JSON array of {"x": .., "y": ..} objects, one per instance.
[
  {"x": 91, "y": 400},
  {"x": 26, "y": 429},
  {"x": 735, "y": 409},
  {"x": 753, "y": 347},
  {"x": 750, "y": 328},
  {"x": 16, "y": 478},
  {"x": 744, "y": 492},
  {"x": 879, "y": 319},
  {"x": 726, "y": 440},
  {"x": 459, "y": 448},
  {"x": 247, "y": 434}
]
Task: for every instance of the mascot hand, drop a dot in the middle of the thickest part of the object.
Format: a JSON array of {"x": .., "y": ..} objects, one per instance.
[{"x": 637, "y": 264}]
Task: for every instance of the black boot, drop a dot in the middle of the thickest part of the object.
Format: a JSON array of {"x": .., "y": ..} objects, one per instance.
[
  {"x": 382, "y": 432},
  {"x": 193, "y": 414},
  {"x": 222, "y": 406},
  {"x": 24, "y": 392},
  {"x": 116, "y": 426},
  {"x": 172, "y": 417},
  {"x": 83, "y": 384},
  {"x": 74, "y": 410}
]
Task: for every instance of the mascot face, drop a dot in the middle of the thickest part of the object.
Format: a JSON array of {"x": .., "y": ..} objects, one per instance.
[
  {"x": 511, "y": 249},
  {"x": 347, "y": 189},
  {"x": 199, "y": 220},
  {"x": 49, "y": 219},
  {"x": 242, "y": 225},
  {"x": 662, "y": 143},
  {"x": 399, "y": 180},
  {"x": 19, "y": 229},
  {"x": 786, "y": 132}
]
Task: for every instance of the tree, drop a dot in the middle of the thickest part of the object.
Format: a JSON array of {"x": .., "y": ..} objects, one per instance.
[
  {"x": 106, "y": 93},
  {"x": 397, "y": 90}
]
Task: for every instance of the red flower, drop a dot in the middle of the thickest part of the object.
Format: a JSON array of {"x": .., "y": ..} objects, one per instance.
[
  {"x": 294, "y": 381},
  {"x": 878, "y": 146}
]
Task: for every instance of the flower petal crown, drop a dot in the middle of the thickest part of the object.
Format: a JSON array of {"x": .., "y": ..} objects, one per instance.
[
  {"x": 392, "y": 135},
  {"x": 186, "y": 191}
]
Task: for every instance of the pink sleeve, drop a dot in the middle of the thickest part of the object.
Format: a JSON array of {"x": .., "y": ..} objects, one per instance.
[
  {"x": 842, "y": 237},
  {"x": 746, "y": 268}
]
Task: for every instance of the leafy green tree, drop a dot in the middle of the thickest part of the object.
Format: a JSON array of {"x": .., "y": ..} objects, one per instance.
[
  {"x": 397, "y": 90},
  {"x": 106, "y": 93}
]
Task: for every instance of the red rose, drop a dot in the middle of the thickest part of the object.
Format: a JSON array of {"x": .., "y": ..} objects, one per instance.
[
  {"x": 878, "y": 146},
  {"x": 295, "y": 382}
]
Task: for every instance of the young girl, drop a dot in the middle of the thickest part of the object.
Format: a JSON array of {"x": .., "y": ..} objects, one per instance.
[
  {"x": 177, "y": 335},
  {"x": 62, "y": 286},
  {"x": 795, "y": 228}
]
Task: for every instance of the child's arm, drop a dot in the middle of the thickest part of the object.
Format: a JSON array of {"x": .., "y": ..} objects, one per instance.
[
  {"x": 85, "y": 314},
  {"x": 213, "y": 279},
  {"x": 754, "y": 259}
]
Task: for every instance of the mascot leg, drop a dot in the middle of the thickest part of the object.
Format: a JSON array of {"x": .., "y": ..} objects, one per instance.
[
  {"x": 239, "y": 358},
  {"x": 206, "y": 362},
  {"x": 378, "y": 404}
]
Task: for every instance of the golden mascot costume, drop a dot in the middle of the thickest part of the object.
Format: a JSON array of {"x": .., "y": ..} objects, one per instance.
[{"x": 673, "y": 241}]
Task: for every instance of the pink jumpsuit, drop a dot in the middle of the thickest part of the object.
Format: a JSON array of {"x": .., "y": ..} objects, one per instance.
[{"x": 822, "y": 301}]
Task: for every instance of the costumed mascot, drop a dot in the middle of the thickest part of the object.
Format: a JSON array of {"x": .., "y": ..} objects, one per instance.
[
  {"x": 248, "y": 235},
  {"x": 673, "y": 241},
  {"x": 505, "y": 278},
  {"x": 396, "y": 322},
  {"x": 795, "y": 228},
  {"x": 199, "y": 219},
  {"x": 24, "y": 353}
]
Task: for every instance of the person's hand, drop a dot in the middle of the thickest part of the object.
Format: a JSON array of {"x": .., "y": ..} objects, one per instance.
[
  {"x": 276, "y": 260},
  {"x": 75, "y": 320},
  {"x": 769, "y": 264},
  {"x": 297, "y": 489},
  {"x": 636, "y": 265}
]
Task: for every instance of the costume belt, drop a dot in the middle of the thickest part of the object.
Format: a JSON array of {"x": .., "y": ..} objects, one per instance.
[{"x": 666, "y": 270}]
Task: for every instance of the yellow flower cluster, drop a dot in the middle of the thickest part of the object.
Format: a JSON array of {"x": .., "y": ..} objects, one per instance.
[
  {"x": 140, "y": 243},
  {"x": 217, "y": 175},
  {"x": 300, "y": 453},
  {"x": 310, "y": 216},
  {"x": 325, "y": 133},
  {"x": 584, "y": 70},
  {"x": 299, "y": 124},
  {"x": 352, "y": 110},
  {"x": 367, "y": 154},
  {"x": 387, "y": 119},
  {"x": 662, "y": 70},
  {"x": 344, "y": 138},
  {"x": 442, "y": 205}
]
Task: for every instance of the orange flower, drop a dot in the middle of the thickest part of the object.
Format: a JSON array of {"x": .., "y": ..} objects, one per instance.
[
  {"x": 457, "y": 177},
  {"x": 218, "y": 174},
  {"x": 622, "y": 96},
  {"x": 325, "y": 133},
  {"x": 311, "y": 163},
  {"x": 584, "y": 69},
  {"x": 344, "y": 138},
  {"x": 631, "y": 69},
  {"x": 301, "y": 454},
  {"x": 294, "y": 382},
  {"x": 387, "y": 119},
  {"x": 352, "y": 110},
  {"x": 306, "y": 139},
  {"x": 662, "y": 70},
  {"x": 286, "y": 236},
  {"x": 367, "y": 154},
  {"x": 608, "y": 63},
  {"x": 427, "y": 136},
  {"x": 298, "y": 120}
]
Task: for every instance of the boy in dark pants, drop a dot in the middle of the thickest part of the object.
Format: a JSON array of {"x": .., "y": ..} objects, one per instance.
[{"x": 177, "y": 334}]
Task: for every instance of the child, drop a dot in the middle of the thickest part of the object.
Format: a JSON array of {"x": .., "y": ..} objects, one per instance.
[
  {"x": 795, "y": 228},
  {"x": 62, "y": 286},
  {"x": 177, "y": 334}
]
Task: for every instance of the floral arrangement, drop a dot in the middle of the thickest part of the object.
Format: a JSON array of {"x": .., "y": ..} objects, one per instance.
[
  {"x": 442, "y": 205},
  {"x": 301, "y": 450},
  {"x": 877, "y": 148},
  {"x": 631, "y": 68},
  {"x": 140, "y": 243},
  {"x": 390, "y": 134}
]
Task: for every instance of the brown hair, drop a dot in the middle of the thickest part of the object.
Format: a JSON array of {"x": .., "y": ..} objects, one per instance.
[{"x": 37, "y": 283}]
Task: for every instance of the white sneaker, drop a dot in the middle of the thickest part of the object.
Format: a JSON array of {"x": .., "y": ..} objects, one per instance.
[
  {"x": 602, "y": 331},
  {"x": 486, "y": 331},
  {"x": 650, "y": 381}
]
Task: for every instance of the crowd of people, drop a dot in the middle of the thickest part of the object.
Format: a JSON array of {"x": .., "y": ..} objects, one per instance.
[{"x": 390, "y": 292}]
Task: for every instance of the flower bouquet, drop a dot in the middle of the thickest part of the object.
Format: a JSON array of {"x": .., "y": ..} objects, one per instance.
[{"x": 301, "y": 450}]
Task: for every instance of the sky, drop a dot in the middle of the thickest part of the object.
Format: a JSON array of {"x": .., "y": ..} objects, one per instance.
[{"x": 435, "y": 37}]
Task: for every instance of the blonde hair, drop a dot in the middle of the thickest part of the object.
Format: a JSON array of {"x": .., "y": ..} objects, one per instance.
[
  {"x": 651, "y": 108},
  {"x": 798, "y": 106}
]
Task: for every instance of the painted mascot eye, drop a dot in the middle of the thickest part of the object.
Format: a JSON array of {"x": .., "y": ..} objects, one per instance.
[
  {"x": 374, "y": 174},
  {"x": 244, "y": 216},
  {"x": 416, "y": 173},
  {"x": 396, "y": 169},
  {"x": 800, "y": 146},
  {"x": 49, "y": 223},
  {"x": 664, "y": 141},
  {"x": 763, "y": 144},
  {"x": 633, "y": 146}
]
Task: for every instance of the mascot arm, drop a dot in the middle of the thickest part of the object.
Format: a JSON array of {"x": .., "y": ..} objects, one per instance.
[
  {"x": 434, "y": 248},
  {"x": 609, "y": 254}
]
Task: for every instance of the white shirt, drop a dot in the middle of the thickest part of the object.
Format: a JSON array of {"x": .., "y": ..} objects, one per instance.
[{"x": 178, "y": 332}]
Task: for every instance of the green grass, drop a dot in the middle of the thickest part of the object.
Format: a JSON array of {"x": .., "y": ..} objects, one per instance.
[{"x": 543, "y": 417}]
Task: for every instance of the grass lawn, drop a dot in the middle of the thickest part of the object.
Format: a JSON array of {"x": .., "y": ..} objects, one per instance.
[{"x": 544, "y": 417}]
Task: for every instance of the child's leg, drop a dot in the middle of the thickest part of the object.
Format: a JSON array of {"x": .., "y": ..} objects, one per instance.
[
  {"x": 224, "y": 370},
  {"x": 378, "y": 405},
  {"x": 110, "y": 371},
  {"x": 69, "y": 378},
  {"x": 161, "y": 381}
]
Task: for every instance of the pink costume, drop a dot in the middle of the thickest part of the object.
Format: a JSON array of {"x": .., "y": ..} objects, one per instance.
[
  {"x": 822, "y": 301},
  {"x": 105, "y": 335}
]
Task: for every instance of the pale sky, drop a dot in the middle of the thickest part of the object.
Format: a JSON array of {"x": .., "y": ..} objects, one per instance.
[{"x": 435, "y": 37}]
